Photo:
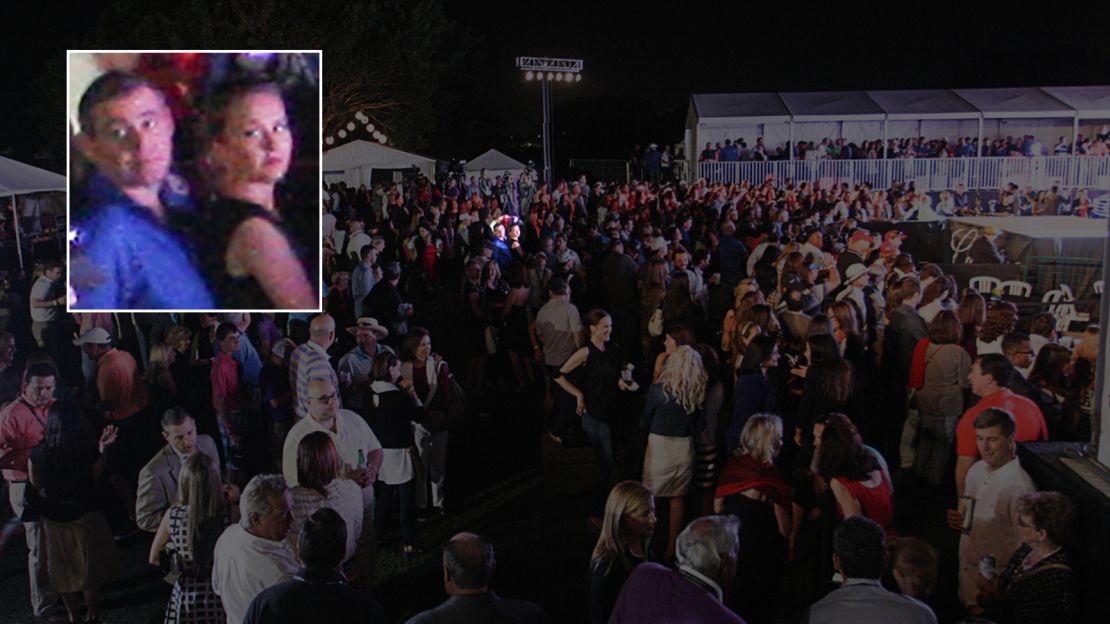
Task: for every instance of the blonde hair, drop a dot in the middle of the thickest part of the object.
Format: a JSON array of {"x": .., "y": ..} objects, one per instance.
[
  {"x": 684, "y": 378},
  {"x": 1088, "y": 348},
  {"x": 761, "y": 437},
  {"x": 177, "y": 334},
  {"x": 158, "y": 356},
  {"x": 627, "y": 498},
  {"x": 199, "y": 491},
  {"x": 745, "y": 286}
]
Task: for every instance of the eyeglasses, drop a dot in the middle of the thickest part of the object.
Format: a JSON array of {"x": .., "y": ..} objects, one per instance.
[
  {"x": 327, "y": 398},
  {"x": 1023, "y": 524}
]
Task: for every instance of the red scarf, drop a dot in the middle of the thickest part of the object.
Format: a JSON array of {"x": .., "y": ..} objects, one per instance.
[
  {"x": 917, "y": 365},
  {"x": 747, "y": 473}
]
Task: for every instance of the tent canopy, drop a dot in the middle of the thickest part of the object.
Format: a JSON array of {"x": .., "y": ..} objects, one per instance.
[
  {"x": 1088, "y": 102},
  {"x": 495, "y": 163},
  {"x": 355, "y": 161},
  {"x": 923, "y": 103},
  {"x": 740, "y": 107},
  {"x": 832, "y": 106},
  {"x": 17, "y": 178},
  {"x": 712, "y": 109},
  {"x": 1023, "y": 102}
]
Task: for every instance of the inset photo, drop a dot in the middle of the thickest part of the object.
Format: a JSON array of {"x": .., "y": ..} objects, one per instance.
[{"x": 194, "y": 181}]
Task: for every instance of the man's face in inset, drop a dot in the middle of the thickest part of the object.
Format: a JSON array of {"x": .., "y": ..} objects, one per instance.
[{"x": 131, "y": 141}]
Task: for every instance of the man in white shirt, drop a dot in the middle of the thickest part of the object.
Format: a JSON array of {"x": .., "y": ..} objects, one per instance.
[
  {"x": 252, "y": 555},
  {"x": 990, "y": 502},
  {"x": 46, "y": 301},
  {"x": 358, "y": 447}
]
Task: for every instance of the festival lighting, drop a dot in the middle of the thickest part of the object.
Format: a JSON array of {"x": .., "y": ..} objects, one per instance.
[
  {"x": 342, "y": 134},
  {"x": 547, "y": 70},
  {"x": 351, "y": 126},
  {"x": 329, "y": 140}
]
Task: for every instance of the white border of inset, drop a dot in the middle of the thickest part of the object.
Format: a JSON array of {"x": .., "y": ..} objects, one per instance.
[{"x": 319, "y": 173}]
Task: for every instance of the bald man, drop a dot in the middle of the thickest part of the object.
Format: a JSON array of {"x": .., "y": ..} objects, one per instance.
[
  {"x": 468, "y": 564},
  {"x": 311, "y": 361}
]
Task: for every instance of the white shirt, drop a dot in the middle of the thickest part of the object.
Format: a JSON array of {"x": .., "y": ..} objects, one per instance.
[
  {"x": 993, "y": 522},
  {"x": 244, "y": 565},
  {"x": 39, "y": 292},
  {"x": 351, "y": 435},
  {"x": 344, "y": 496}
]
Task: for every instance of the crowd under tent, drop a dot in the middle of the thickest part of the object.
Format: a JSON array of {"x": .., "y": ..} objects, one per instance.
[
  {"x": 356, "y": 161},
  {"x": 784, "y": 119},
  {"x": 18, "y": 179}
]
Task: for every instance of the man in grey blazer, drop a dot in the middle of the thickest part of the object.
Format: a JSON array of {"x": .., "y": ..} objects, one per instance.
[
  {"x": 158, "y": 478},
  {"x": 468, "y": 564}
]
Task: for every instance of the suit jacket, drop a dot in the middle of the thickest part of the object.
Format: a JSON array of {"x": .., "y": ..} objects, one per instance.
[
  {"x": 487, "y": 608},
  {"x": 158, "y": 483},
  {"x": 905, "y": 329}
]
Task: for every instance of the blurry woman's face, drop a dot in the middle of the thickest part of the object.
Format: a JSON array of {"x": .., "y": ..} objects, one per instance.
[
  {"x": 256, "y": 145},
  {"x": 772, "y": 361},
  {"x": 603, "y": 329},
  {"x": 642, "y": 523},
  {"x": 818, "y": 431},
  {"x": 395, "y": 371},
  {"x": 424, "y": 349}
]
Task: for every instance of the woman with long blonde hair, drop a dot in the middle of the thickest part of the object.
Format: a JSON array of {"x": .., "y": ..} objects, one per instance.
[
  {"x": 670, "y": 417},
  {"x": 626, "y": 531},
  {"x": 190, "y": 529}
]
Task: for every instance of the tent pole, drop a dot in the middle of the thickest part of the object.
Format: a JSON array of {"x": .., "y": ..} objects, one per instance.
[
  {"x": 886, "y": 165},
  {"x": 790, "y": 143},
  {"x": 15, "y": 223},
  {"x": 979, "y": 147},
  {"x": 1074, "y": 134}
]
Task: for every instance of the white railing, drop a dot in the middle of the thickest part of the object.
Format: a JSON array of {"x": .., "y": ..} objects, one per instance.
[{"x": 932, "y": 174}]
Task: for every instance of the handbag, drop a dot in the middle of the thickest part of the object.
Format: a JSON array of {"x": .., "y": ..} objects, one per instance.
[
  {"x": 458, "y": 408},
  {"x": 492, "y": 338},
  {"x": 655, "y": 325}
]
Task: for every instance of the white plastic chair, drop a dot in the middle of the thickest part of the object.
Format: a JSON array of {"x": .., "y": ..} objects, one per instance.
[
  {"x": 1062, "y": 308},
  {"x": 1017, "y": 288},
  {"x": 984, "y": 283}
]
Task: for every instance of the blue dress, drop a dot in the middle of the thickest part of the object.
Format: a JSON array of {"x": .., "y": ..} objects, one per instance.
[{"x": 123, "y": 259}]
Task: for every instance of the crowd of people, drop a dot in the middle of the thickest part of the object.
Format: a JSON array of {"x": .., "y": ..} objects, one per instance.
[
  {"x": 744, "y": 357},
  {"x": 1028, "y": 145}
]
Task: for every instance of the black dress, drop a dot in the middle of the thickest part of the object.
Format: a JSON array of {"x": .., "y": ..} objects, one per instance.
[
  {"x": 599, "y": 381},
  {"x": 224, "y": 216}
]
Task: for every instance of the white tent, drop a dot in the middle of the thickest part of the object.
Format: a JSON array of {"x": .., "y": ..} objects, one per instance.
[
  {"x": 17, "y": 178},
  {"x": 353, "y": 162},
  {"x": 495, "y": 163}
]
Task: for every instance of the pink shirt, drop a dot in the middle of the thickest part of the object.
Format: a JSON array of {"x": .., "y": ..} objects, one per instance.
[
  {"x": 21, "y": 428},
  {"x": 225, "y": 383}
]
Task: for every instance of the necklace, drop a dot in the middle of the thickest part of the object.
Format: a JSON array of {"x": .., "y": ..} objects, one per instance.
[{"x": 1029, "y": 561}]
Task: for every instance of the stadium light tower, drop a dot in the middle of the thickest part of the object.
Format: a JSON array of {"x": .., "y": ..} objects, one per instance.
[{"x": 548, "y": 70}]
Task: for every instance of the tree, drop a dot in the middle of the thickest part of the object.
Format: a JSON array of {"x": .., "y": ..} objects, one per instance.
[{"x": 386, "y": 58}]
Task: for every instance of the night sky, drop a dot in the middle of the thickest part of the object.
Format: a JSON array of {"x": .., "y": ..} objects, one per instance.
[{"x": 642, "y": 60}]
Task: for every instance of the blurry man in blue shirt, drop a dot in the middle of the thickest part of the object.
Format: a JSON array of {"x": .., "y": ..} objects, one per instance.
[{"x": 125, "y": 254}]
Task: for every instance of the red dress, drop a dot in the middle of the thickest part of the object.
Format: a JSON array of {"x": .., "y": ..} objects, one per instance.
[{"x": 874, "y": 502}]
